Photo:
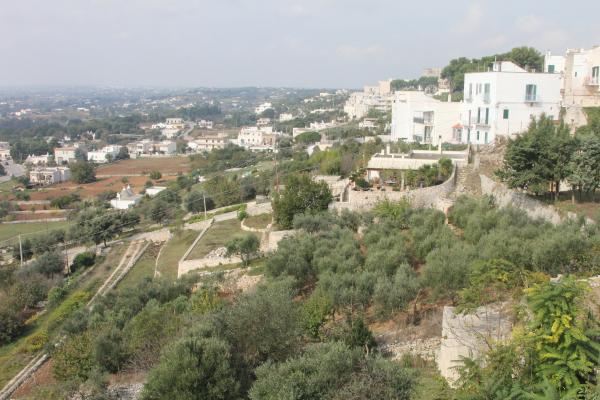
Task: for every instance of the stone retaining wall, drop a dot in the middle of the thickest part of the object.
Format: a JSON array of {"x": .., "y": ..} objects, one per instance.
[
  {"x": 503, "y": 197},
  {"x": 432, "y": 196}
]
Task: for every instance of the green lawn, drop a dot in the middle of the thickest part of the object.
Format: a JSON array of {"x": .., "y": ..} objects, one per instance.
[
  {"x": 144, "y": 268},
  {"x": 168, "y": 263},
  {"x": 217, "y": 236},
  {"x": 258, "y": 221},
  {"x": 8, "y": 231}
]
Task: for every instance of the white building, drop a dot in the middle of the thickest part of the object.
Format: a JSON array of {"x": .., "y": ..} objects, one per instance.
[
  {"x": 263, "y": 107},
  {"x": 104, "y": 154},
  {"x": 208, "y": 142},
  {"x": 65, "y": 155},
  {"x": 154, "y": 190},
  {"x": 125, "y": 199},
  {"x": 167, "y": 147},
  {"x": 504, "y": 100},
  {"x": 38, "y": 160},
  {"x": 284, "y": 117},
  {"x": 258, "y": 138},
  {"x": 203, "y": 124},
  {"x": 580, "y": 81},
  {"x": 49, "y": 175},
  {"x": 148, "y": 147},
  {"x": 372, "y": 97},
  {"x": 417, "y": 117}
]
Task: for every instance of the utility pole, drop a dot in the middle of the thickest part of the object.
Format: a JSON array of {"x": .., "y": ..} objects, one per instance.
[
  {"x": 21, "y": 250},
  {"x": 204, "y": 199},
  {"x": 276, "y": 174}
]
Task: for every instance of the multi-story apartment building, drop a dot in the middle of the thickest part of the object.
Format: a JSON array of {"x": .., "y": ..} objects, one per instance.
[
  {"x": 372, "y": 97},
  {"x": 208, "y": 142},
  {"x": 418, "y": 117},
  {"x": 579, "y": 70},
  {"x": 258, "y": 138},
  {"x": 503, "y": 101}
]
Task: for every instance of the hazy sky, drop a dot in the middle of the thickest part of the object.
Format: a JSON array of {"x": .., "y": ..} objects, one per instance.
[{"x": 301, "y": 43}]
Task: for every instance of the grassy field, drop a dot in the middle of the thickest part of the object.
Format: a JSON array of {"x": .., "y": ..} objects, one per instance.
[
  {"x": 168, "y": 262},
  {"x": 144, "y": 268},
  {"x": 14, "y": 356},
  {"x": 216, "y": 236},
  {"x": 258, "y": 221},
  {"x": 8, "y": 231}
]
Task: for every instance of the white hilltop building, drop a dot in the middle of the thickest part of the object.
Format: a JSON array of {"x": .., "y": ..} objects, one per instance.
[
  {"x": 418, "y": 117},
  {"x": 579, "y": 71},
  {"x": 377, "y": 97},
  {"x": 503, "y": 100},
  {"x": 125, "y": 199},
  {"x": 263, "y": 107}
]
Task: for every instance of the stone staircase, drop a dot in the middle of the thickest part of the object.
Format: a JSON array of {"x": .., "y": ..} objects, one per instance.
[{"x": 467, "y": 182}]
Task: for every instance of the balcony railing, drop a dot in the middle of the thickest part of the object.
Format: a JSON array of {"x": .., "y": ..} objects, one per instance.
[{"x": 592, "y": 81}]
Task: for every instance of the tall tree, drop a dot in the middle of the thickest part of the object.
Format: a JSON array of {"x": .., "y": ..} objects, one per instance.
[
  {"x": 539, "y": 157},
  {"x": 83, "y": 172},
  {"x": 300, "y": 195}
]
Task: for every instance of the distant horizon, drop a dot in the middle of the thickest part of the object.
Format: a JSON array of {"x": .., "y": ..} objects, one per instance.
[{"x": 303, "y": 44}]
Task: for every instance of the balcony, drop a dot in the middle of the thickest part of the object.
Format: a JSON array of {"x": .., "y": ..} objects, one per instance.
[
  {"x": 592, "y": 81},
  {"x": 486, "y": 98}
]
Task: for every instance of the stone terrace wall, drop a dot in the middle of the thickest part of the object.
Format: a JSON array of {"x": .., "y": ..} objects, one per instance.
[
  {"x": 503, "y": 197},
  {"x": 433, "y": 196}
]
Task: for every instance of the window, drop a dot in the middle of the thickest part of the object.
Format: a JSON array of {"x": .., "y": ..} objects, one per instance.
[
  {"x": 470, "y": 90},
  {"x": 551, "y": 68},
  {"x": 595, "y": 74},
  {"x": 505, "y": 113},
  {"x": 487, "y": 115},
  {"x": 470, "y": 117},
  {"x": 478, "y": 136},
  {"x": 530, "y": 92},
  {"x": 469, "y": 135},
  {"x": 478, "y": 115},
  {"x": 486, "y": 138},
  {"x": 486, "y": 92}
]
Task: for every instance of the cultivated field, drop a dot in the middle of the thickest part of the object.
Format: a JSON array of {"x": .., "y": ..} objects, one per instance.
[
  {"x": 142, "y": 166},
  {"x": 90, "y": 190}
]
